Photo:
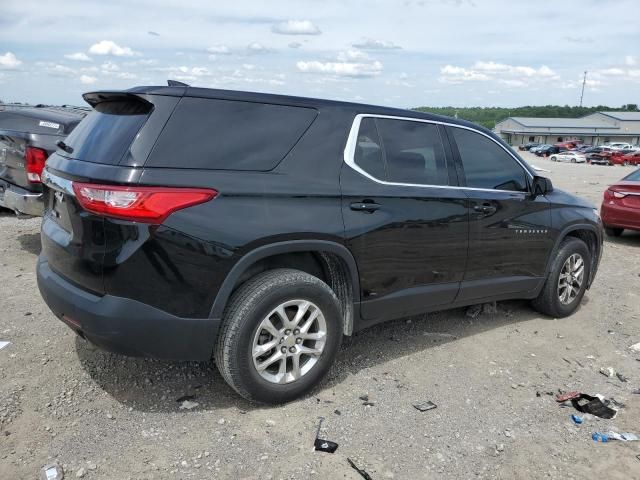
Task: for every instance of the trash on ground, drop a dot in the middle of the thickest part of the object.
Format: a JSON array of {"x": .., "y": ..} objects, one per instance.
[
  {"x": 52, "y": 472},
  {"x": 363, "y": 473},
  {"x": 188, "y": 405},
  {"x": 635, "y": 347},
  {"x": 609, "y": 436},
  {"x": 322, "y": 445},
  {"x": 424, "y": 406},
  {"x": 563, "y": 397},
  {"x": 621, "y": 377},
  {"x": 185, "y": 397},
  {"x": 577, "y": 419},
  {"x": 594, "y": 405},
  {"x": 607, "y": 372},
  {"x": 3, "y": 344}
]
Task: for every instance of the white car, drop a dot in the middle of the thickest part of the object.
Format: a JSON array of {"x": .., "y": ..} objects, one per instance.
[
  {"x": 572, "y": 157},
  {"x": 621, "y": 146}
]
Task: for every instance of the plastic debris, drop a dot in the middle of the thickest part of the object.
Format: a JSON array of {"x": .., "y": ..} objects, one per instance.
[
  {"x": 185, "y": 397},
  {"x": 563, "y": 397},
  {"x": 609, "y": 436},
  {"x": 321, "y": 445},
  {"x": 188, "y": 405},
  {"x": 424, "y": 406},
  {"x": 594, "y": 405},
  {"x": 577, "y": 419},
  {"x": 52, "y": 472},
  {"x": 363, "y": 473},
  {"x": 607, "y": 371},
  {"x": 621, "y": 377},
  {"x": 635, "y": 347},
  {"x": 3, "y": 344}
]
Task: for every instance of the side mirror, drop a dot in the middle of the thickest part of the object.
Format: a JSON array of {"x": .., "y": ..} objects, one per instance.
[{"x": 541, "y": 186}]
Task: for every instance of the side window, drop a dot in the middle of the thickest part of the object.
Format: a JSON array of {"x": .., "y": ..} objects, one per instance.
[
  {"x": 413, "y": 152},
  {"x": 486, "y": 164},
  {"x": 368, "y": 155}
]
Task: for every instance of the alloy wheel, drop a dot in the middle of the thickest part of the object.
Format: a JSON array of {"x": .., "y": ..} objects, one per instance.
[
  {"x": 571, "y": 279},
  {"x": 289, "y": 341}
]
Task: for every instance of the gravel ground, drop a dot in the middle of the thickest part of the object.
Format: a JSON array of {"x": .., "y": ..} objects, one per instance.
[{"x": 104, "y": 416}]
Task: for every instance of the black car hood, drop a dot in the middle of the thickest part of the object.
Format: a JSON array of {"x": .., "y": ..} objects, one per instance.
[{"x": 560, "y": 197}]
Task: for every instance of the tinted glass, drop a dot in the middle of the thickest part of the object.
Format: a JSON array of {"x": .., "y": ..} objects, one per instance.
[
  {"x": 413, "y": 152},
  {"x": 486, "y": 164},
  {"x": 633, "y": 177},
  {"x": 229, "y": 135},
  {"x": 105, "y": 135},
  {"x": 368, "y": 155}
]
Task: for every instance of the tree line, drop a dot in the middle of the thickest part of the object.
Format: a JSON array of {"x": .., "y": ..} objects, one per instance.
[{"x": 489, "y": 116}]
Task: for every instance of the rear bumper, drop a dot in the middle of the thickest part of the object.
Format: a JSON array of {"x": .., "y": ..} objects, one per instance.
[
  {"x": 125, "y": 326},
  {"x": 620, "y": 216},
  {"x": 20, "y": 200}
]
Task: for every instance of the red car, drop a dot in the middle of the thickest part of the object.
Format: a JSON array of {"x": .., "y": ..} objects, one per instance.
[
  {"x": 621, "y": 205},
  {"x": 631, "y": 158}
]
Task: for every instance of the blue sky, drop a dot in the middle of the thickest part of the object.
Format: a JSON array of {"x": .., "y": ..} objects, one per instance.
[{"x": 404, "y": 53}]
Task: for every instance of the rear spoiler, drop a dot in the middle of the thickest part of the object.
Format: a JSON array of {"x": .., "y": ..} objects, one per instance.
[
  {"x": 135, "y": 94},
  {"x": 96, "y": 98}
]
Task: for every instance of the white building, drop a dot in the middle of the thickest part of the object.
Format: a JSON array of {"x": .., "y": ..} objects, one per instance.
[{"x": 595, "y": 129}]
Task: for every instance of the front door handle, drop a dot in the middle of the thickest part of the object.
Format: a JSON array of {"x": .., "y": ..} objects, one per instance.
[
  {"x": 485, "y": 208},
  {"x": 365, "y": 206}
]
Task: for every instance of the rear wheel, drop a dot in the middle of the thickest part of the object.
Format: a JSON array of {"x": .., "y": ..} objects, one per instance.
[
  {"x": 613, "y": 231},
  {"x": 573, "y": 160},
  {"x": 625, "y": 163},
  {"x": 554, "y": 159},
  {"x": 567, "y": 280},
  {"x": 280, "y": 334}
]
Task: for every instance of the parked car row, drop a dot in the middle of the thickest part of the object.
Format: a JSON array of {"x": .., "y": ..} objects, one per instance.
[
  {"x": 28, "y": 135},
  {"x": 612, "y": 154}
]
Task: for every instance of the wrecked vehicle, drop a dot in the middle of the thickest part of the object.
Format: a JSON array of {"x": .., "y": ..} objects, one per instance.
[
  {"x": 191, "y": 223},
  {"x": 28, "y": 135}
]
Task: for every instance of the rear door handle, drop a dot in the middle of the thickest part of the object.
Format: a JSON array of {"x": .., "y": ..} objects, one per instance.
[
  {"x": 368, "y": 207},
  {"x": 485, "y": 208}
]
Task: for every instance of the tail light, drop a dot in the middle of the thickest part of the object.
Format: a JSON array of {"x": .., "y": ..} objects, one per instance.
[
  {"x": 35, "y": 159},
  {"x": 610, "y": 194},
  {"x": 139, "y": 204}
]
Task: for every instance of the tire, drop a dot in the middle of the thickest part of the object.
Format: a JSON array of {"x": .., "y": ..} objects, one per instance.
[
  {"x": 573, "y": 160},
  {"x": 625, "y": 163},
  {"x": 613, "y": 231},
  {"x": 554, "y": 159},
  {"x": 548, "y": 301},
  {"x": 252, "y": 303}
]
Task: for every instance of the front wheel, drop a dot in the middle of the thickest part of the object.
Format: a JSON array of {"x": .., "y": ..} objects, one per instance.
[
  {"x": 280, "y": 334},
  {"x": 554, "y": 159},
  {"x": 567, "y": 280}
]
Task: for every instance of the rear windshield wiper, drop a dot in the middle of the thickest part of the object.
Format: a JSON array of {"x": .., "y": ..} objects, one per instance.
[{"x": 64, "y": 146}]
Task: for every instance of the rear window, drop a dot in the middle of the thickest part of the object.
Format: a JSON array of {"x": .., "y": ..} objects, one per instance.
[
  {"x": 229, "y": 135},
  {"x": 105, "y": 135},
  {"x": 633, "y": 177}
]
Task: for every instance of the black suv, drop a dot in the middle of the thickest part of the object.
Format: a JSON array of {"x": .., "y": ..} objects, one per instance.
[{"x": 257, "y": 229}]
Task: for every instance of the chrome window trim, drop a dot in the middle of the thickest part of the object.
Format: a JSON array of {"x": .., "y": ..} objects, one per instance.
[
  {"x": 350, "y": 150},
  {"x": 57, "y": 183}
]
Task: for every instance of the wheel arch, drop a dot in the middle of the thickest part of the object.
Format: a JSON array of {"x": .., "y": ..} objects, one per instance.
[
  {"x": 589, "y": 234},
  {"x": 339, "y": 271}
]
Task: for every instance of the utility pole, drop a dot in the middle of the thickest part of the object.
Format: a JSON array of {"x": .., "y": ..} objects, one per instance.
[{"x": 584, "y": 81}]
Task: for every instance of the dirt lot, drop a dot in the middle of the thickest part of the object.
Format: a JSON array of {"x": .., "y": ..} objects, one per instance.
[{"x": 104, "y": 416}]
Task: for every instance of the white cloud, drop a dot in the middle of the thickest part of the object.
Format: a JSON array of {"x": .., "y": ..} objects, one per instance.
[
  {"x": 61, "y": 71},
  {"x": 509, "y": 75},
  {"x": 372, "y": 44},
  {"x": 9, "y": 60},
  {"x": 631, "y": 61},
  {"x": 294, "y": 45},
  {"x": 108, "y": 47},
  {"x": 78, "y": 56},
  {"x": 345, "y": 69},
  {"x": 256, "y": 47},
  {"x": 616, "y": 72},
  {"x": 109, "y": 67},
  {"x": 219, "y": 50},
  {"x": 296, "y": 27},
  {"x": 87, "y": 79},
  {"x": 351, "y": 55}
]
